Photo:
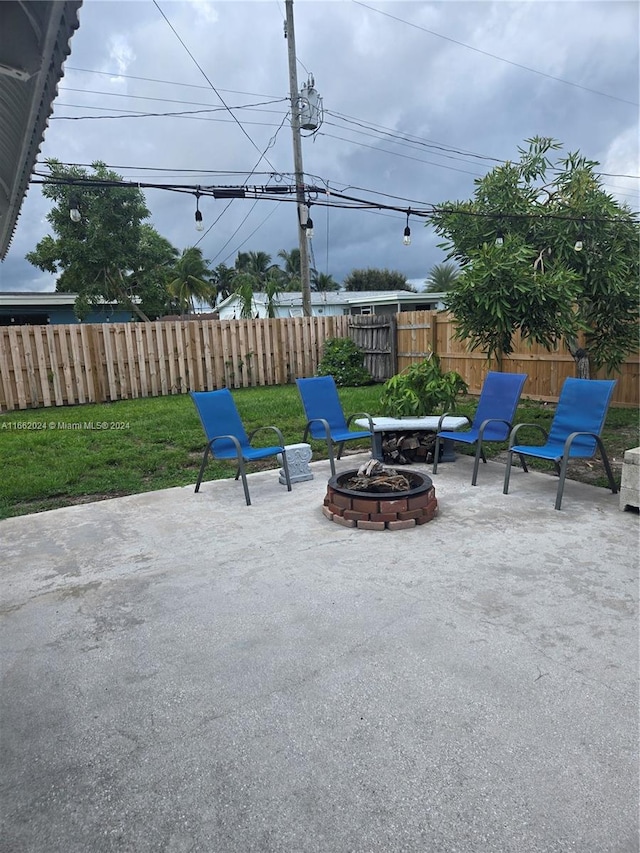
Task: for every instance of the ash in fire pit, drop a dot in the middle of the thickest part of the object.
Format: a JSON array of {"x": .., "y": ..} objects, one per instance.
[{"x": 377, "y": 498}]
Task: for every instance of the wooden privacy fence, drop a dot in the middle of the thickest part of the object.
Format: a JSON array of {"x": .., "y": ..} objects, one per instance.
[
  {"x": 421, "y": 332},
  {"x": 94, "y": 363},
  {"x": 65, "y": 365}
]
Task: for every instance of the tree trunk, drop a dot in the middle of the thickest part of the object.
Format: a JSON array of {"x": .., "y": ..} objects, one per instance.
[{"x": 581, "y": 358}]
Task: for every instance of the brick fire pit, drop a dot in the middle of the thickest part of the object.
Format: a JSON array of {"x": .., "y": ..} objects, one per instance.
[{"x": 380, "y": 510}]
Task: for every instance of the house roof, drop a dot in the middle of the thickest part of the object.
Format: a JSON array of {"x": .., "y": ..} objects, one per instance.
[
  {"x": 34, "y": 43},
  {"x": 342, "y": 297}
]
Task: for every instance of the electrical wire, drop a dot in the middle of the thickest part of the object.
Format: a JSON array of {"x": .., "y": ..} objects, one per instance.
[
  {"x": 175, "y": 32},
  {"x": 495, "y": 56}
]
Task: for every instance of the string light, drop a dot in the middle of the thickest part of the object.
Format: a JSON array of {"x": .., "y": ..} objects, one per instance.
[
  {"x": 74, "y": 212},
  {"x": 199, "y": 222},
  {"x": 499, "y": 238},
  {"x": 579, "y": 244},
  {"x": 406, "y": 238}
]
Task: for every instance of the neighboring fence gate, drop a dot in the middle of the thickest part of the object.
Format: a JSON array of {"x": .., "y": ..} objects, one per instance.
[{"x": 375, "y": 334}]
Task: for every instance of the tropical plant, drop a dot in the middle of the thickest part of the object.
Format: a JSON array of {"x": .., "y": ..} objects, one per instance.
[
  {"x": 243, "y": 288},
  {"x": 344, "y": 360},
  {"x": 322, "y": 282},
  {"x": 191, "y": 281},
  {"x": 441, "y": 278},
  {"x": 222, "y": 278},
  {"x": 292, "y": 278},
  {"x": 545, "y": 252},
  {"x": 374, "y": 279},
  {"x": 421, "y": 389}
]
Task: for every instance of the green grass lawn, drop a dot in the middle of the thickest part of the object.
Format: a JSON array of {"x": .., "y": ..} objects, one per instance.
[{"x": 52, "y": 458}]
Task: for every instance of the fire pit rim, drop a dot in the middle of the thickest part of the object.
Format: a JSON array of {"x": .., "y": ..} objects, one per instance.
[{"x": 424, "y": 486}]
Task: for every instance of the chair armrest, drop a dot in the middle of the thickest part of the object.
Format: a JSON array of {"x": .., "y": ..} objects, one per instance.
[
  {"x": 448, "y": 415},
  {"x": 273, "y": 428},
  {"x": 361, "y": 415},
  {"x": 484, "y": 424},
  {"x": 325, "y": 424},
  {"x": 569, "y": 440},
  {"x": 230, "y": 438},
  {"x": 518, "y": 427}
]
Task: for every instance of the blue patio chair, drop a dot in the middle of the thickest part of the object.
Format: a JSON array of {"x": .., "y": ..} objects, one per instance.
[
  {"x": 493, "y": 419},
  {"x": 325, "y": 417},
  {"x": 575, "y": 430},
  {"x": 226, "y": 436}
]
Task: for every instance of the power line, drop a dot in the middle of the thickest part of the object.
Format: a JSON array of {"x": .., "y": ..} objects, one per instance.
[
  {"x": 495, "y": 56},
  {"x": 175, "y": 32},
  {"x": 117, "y": 74}
]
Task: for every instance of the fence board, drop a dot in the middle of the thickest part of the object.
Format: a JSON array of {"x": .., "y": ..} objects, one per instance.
[{"x": 66, "y": 365}]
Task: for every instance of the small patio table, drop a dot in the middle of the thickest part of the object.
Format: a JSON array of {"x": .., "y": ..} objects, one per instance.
[{"x": 431, "y": 423}]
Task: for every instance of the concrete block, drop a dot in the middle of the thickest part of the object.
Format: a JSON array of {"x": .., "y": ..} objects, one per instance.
[{"x": 630, "y": 484}]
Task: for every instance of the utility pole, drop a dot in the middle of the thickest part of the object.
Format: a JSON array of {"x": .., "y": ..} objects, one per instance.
[{"x": 297, "y": 162}]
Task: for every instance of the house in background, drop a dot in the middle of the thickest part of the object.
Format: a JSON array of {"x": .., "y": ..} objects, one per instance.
[
  {"x": 336, "y": 303},
  {"x": 42, "y": 309}
]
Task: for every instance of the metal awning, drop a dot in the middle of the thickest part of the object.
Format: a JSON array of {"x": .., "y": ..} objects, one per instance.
[{"x": 34, "y": 43}]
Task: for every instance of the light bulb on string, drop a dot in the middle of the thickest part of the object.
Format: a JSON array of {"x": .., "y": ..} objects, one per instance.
[
  {"x": 74, "y": 212},
  {"x": 579, "y": 244},
  {"x": 309, "y": 228},
  {"x": 406, "y": 237},
  {"x": 199, "y": 222},
  {"x": 499, "y": 239}
]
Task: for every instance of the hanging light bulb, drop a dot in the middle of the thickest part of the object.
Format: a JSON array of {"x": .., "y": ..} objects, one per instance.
[
  {"x": 309, "y": 228},
  {"x": 499, "y": 239},
  {"x": 579, "y": 244},
  {"x": 406, "y": 237},
  {"x": 74, "y": 212},
  {"x": 199, "y": 222}
]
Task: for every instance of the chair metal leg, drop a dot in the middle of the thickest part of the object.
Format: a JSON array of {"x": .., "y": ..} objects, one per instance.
[
  {"x": 202, "y": 467},
  {"x": 245, "y": 485},
  {"x": 436, "y": 455},
  {"x": 523, "y": 463},
  {"x": 507, "y": 473},
  {"x": 340, "y": 446},
  {"x": 607, "y": 467},
  {"x": 285, "y": 468},
  {"x": 331, "y": 459},
  {"x": 563, "y": 476},
  {"x": 479, "y": 455}
]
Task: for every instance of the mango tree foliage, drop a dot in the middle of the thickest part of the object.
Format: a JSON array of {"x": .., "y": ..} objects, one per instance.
[{"x": 536, "y": 282}]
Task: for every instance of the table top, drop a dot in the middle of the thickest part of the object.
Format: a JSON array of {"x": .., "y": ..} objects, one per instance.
[{"x": 398, "y": 424}]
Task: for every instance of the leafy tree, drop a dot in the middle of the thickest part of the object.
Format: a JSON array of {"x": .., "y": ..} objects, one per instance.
[
  {"x": 258, "y": 265},
  {"x": 441, "y": 278},
  {"x": 374, "y": 279},
  {"x": 154, "y": 264},
  {"x": 567, "y": 264},
  {"x": 322, "y": 282},
  {"x": 191, "y": 280},
  {"x": 243, "y": 287},
  {"x": 105, "y": 255},
  {"x": 292, "y": 277},
  {"x": 222, "y": 278}
]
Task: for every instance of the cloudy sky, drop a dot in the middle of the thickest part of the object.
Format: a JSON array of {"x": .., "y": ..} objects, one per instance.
[{"x": 419, "y": 99}]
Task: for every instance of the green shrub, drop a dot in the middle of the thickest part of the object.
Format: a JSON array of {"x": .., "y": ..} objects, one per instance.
[
  {"x": 421, "y": 389},
  {"x": 344, "y": 360}
]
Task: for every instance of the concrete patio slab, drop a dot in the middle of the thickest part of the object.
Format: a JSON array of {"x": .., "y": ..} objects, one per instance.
[{"x": 183, "y": 673}]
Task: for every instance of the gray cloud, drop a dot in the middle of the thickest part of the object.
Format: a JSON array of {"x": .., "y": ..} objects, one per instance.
[{"x": 368, "y": 67}]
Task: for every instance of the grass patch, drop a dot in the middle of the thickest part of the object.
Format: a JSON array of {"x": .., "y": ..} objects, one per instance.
[{"x": 61, "y": 456}]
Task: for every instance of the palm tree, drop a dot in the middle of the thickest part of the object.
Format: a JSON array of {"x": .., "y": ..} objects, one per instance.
[
  {"x": 322, "y": 282},
  {"x": 222, "y": 279},
  {"x": 243, "y": 288},
  {"x": 441, "y": 278},
  {"x": 291, "y": 273},
  {"x": 191, "y": 280}
]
